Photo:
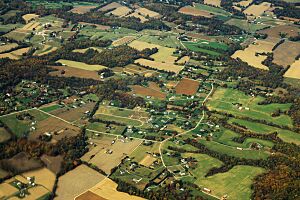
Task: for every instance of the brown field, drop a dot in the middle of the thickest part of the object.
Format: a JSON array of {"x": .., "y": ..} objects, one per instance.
[
  {"x": 123, "y": 40},
  {"x": 8, "y": 47},
  {"x": 248, "y": 54},
  {"x": 82, "y": 9},
  {"x": 183, "y": 60},
  {"x": 53, "y": 163},
  {"x": 140, "y": 90},
  {"x": 71, "y": 71},
  {"x": 160, "y": 66},
  {"x": 20, "y": 163},
  {"x": 4, "y": 135},
  {"x": 107, "y": 189},
  {"x": 147, "y": 160},
  {"x": 216, "y": 3},
  {"x": 89, "y": 196},
  {"x": 29, "y": 17},
  {"x": 110, "y": 6},
  {"x": 121, "y": 11},
  {"x": 43, "y": 177},
  {"x": 73, "y": 114},
  {"x": 77, "y": 181},
  {"x": 187, "y": 87},
  {"x": 134, "y": 69},
  {"x": 146, "y": 12},
  {"x": 294, "y": 70},
  {"x": 257, "y": 10},
  {"x": 188, "y": 10},
  {"x": 286, "y": 53},
  {"x": 137, "y": 15},
  {"x": 107, "y": 162},
  {"x": 58, "y": 128},
  {"x": 291, "y": 31}
]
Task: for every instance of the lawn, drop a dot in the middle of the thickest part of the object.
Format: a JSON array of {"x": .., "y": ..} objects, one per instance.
[
  {"x": 22, "y": 127},
  {"x": 224, "y": 99},
  {"x": 285, "y": 135},
  {"x": 208, "y": 47}
]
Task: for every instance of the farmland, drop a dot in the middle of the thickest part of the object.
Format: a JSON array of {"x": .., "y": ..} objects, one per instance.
[
  {"x": 257, "y": 10},
  {"x": 181, "y": 87},
  {"x": 194, "y": 11},
  {"x": 80, "y": 65},
  {"x": 294, "y": 70},
  {"x": 159, "y": 65}
]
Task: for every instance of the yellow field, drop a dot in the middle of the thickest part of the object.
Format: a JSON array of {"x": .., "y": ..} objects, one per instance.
[
  {"x": 81, "y": 65},
  {"x": 294, "y": 70},
  {"x": 36, "y": 193},
  {"x": 30, "y": 26},
  {"x": 160, "y": 66},
  {"x": 107, "y": 189},
  {"x": 121, "y": 11},
  {"x": 84, "y": 50},
  {"x": 82, "y": 9},
  {"x": 244, "y": 3},
  {"x": 146, "y": 12},
  {"x": 43, "y": 177},
  {"x": 147, "y": 160},
  {"x": 216, "y": 3},
  {"x": 29, "y": 17},
  {"x": 77, "y": 181},
  {"x": 7, "y": 47},
  {"x": 15, "y": 55},
  {"x": 139, "y": 45},
  {"x": 248, "y": 55},
  {"x": 123, "y": 40},
  {"x": 164, "y": 55},
  {"x": 46, "y": 50},
  {"x": 6, "y": 190},
  {"x": 137, "y": 15},
  {"x": 257, "y": 10},
  {"x": 183, "y": 60}
]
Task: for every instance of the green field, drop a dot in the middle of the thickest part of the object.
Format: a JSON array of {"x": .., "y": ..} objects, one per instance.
[
  {"x": 204, "y": 46},
  {"x": 232, "y": 151},
  {"x": 22, "y": 127},
  {"x": 164, "y": 40},
  {"x": 224, "y": 99},
  {"x": 50, "y": 108},
  {"x": 60, "y": 4},
  {"x": 122, "y": 120},
  {"x": 243, "y": 24},
  {"x": 140, "y": 152},
  {"x": 285, "y": 135},
  {"x": 101, "y": 127},
  {"x": 236, "y": 183},
  {"x": 5, "y": 28},
  {"x": 221, "y": 14}
]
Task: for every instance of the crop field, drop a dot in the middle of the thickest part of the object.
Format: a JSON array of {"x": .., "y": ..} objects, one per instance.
[
  {"x": 257, "y": 10},
  {"x": 147, "y": 13},
  {"x": 159, "y": 65},
  {"x": 43, "y": 177},
  {"x": 164, "y": 55},
  {"x": 244, "y": 3},
  {"x": 121, "y": 120},
  {"x": 8, "y": 47},
  {"x": 17, "y": 35},
  {"x": 249, "y": 56},
  {"x": 139, "y": 16},
  {"x": 286, "y": 53},
  {"x": 29, "y": 17},
  {"x": 205, "y": 46},
  {"x": 216, "y": 3},
  {"x": 124, "y": 40},
  {"x": 4, "y": 135},
  {"x": 120, "y": 148},
  {"x": 80, "y": 65},
  {"x": 107, "y": 189},
  {"x": 46, "y": 49},
  {"x": 224, "y": 100},
  {"x": 243, "y": 24},
  {"x": 183, "y": 60},
  {"x": 82, "y": 9},
  {"x": 187, "y": 87},
  {"x": 274, "y": 32},
  {"x": 236, "y": 183},
  {"x": 135, "y": 69},
  {"x": 144, "y": 150},
  {"x": 140, "y": 45},
  {"x": 98, "y": 26},
  {"x": 294, "y": 70},
  {"x": 68, "y": 187},
  {"x": 189, "y": 10},
  {"x": 121, "y": 11},
  {"x": 110, "y": 6},
  {"x": 163, "y": 39},
  {"x": 285, "y": 135},
  {"x": 74, "y": 72},
  {"x": 144, "y": 91},
  {"x": 219, "y": 12},
  {"x": 22, "y": 127},
  {"x": 53, "y": 163}
]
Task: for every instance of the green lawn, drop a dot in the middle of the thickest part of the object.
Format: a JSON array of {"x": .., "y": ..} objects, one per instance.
[
  {"x": 51, "y": 108},
  {"x": 224, "y": 99},
  {"x": 21, "y": 127},
  {"x": 285, "y": 135},
  {"x": 236, "y": 183}
]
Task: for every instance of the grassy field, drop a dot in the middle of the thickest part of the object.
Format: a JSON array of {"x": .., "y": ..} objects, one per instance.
[
  {"x": 203, "y": 45},
  {"x": 166, "y": 40},
  {"x": 285, "y": 135},
  {"x": 119, "y": 119},
  {"x": 236, "y": 183},
  {"x": 243, "y": 24},
  {"x": 81, "y": 65},
  {"x": 22, "y": 127},
  {"x": 232, "y": 151},
  {"x": 223, "y": 100},
  {"x": 221, "y": 14}
]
